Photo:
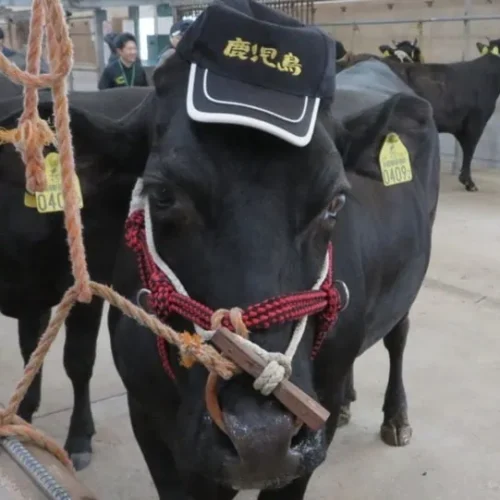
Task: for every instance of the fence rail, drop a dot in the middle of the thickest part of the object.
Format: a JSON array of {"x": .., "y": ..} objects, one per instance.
[{"x": 303, "y": 10}]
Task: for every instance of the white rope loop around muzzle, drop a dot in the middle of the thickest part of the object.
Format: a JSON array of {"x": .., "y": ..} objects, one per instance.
[{"x": 278, "y": 365}]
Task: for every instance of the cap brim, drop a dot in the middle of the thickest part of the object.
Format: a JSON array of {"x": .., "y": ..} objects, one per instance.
[{"x": 212, "y": 98}]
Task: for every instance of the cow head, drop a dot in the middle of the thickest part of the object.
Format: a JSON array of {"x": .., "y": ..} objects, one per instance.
[
  {"x": 493, "y": 47},
  {"x": 404, "y": 51},
  {"x": 243, "y": 184},
  {"x": 104, "y": 176}
]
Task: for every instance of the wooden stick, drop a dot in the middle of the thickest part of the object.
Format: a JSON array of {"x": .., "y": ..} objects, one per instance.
[{"x": 297, "y": 401}]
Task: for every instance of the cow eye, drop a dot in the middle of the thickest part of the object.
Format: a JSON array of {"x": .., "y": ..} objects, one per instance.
[
  {"x": 164, "y": 199},
  {"x": 334, "y": 207}
]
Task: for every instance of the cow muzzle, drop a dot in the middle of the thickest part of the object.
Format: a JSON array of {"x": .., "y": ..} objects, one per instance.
[{"x": 263, "y": 447}]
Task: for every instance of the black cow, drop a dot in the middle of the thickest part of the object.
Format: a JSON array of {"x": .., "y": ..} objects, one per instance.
[
  {"x": 241, "y": 215},
  {"x": 463, "y": 96},
  {"x": 34, "y": 265},
  {"x": 404, "y": 51}
]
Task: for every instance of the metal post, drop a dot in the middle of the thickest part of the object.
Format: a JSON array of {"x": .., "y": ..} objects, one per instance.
[
  {"x": 156, "y": 20},
  {"x": 100, "y": 16},
  {"x": 133, "y": 14}
]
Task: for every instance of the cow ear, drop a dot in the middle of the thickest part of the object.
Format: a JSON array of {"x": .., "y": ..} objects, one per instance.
[
  {"x": 123, "y": 142},
  {"x": 368, "y": 130},
  {"x": 483, "y": 49}
]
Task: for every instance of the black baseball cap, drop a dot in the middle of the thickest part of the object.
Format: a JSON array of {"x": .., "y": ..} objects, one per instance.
[{"x": 254, "y": 66}]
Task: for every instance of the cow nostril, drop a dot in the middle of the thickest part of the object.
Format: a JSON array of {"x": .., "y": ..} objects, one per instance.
[
  {"x": 298, "y": 426},
  {"x": 225, "y": 442},
  {"x": 299, "y": 437}
]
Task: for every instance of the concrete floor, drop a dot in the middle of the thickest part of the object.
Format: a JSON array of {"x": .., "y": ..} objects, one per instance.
[{"x": 452, "y": 372}]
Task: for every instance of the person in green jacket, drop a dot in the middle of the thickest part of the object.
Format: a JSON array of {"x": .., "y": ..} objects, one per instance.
[{"x": 126, "y": 70}]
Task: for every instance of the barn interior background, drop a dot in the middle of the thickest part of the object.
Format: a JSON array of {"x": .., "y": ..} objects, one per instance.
[{"x": 447, "y": 31}]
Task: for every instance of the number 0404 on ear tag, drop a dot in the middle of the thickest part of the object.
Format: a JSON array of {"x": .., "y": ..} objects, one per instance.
[
  {"x": 395, "y": 163},
  {"x": 51, "y": 200}
]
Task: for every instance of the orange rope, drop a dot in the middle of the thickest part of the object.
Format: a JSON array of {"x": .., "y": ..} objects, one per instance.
[{"x": 29, "y": 138}]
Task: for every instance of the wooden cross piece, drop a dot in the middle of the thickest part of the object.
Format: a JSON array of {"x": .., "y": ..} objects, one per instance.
[{"x": 294, "y": 399}]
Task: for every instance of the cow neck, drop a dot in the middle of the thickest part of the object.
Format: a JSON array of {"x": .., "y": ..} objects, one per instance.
[{"x": 168, "y": 296}]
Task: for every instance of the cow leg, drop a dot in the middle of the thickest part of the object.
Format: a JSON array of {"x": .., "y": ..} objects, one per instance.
[
  {"x": 30, "y": 326},
  {"x": 396, "y": 429},
  {"x": 294, "y": 491},
  {"x": 82, "y": 328},
  {"x": 468, "y": 139},
  {"x": 349, "y": 397},
  {"x": 156, "y": 453}
]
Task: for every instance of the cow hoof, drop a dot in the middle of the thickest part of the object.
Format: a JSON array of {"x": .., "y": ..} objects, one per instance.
[
  {"x": 344, "y": 416},
  {"x": 468, "y": 183},
  {"x": 471, "y": 187},
  {"x": 396, "y": 434},
  {"x": 80, "y": 451},
  {"x": 81, "y": 460}
]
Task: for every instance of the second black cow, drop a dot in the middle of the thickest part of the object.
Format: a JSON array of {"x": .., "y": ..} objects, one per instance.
[{"x": 34, "y": 264}]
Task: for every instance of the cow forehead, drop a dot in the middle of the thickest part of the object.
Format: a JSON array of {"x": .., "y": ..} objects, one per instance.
[
  {"x": 182, "y": 142},
  {"x": 205, "y": 172}
]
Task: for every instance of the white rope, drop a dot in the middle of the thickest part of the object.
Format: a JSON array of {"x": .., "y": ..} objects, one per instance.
[{"x": 278, "y": 365}]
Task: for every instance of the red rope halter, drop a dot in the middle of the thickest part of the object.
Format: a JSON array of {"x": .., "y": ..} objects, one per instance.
[{"x": 165, "y": 300}]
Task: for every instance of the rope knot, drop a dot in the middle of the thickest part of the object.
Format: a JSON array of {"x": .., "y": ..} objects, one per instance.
[
  {"x": 279, "y": 367},
  {"x": 28, "y": 138},
  {"x": 230, "y": 318},
  {"x": 332, "y": 308}
]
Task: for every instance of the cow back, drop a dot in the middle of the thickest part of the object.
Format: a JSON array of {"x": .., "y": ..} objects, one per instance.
[{"x": 365, "y": 85}]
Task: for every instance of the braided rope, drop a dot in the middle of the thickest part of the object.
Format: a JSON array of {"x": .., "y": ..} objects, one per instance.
[{"x": 168, "y": 296}]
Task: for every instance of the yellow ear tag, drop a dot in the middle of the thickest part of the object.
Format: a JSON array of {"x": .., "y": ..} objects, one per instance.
[
  {"x": 29, "y": 200},
  {"x": 394, "y": 161},
  {"x": 484, "y": 50},
  {"x": 51, "y": 200},
  {"x": 386, "y": 53},
  {"x": 494, "y": 51}
]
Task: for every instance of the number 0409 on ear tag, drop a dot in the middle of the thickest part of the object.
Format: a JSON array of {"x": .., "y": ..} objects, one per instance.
[
  {"x": 51, "y": 200},
  {"x": 394, "y": 161}
]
